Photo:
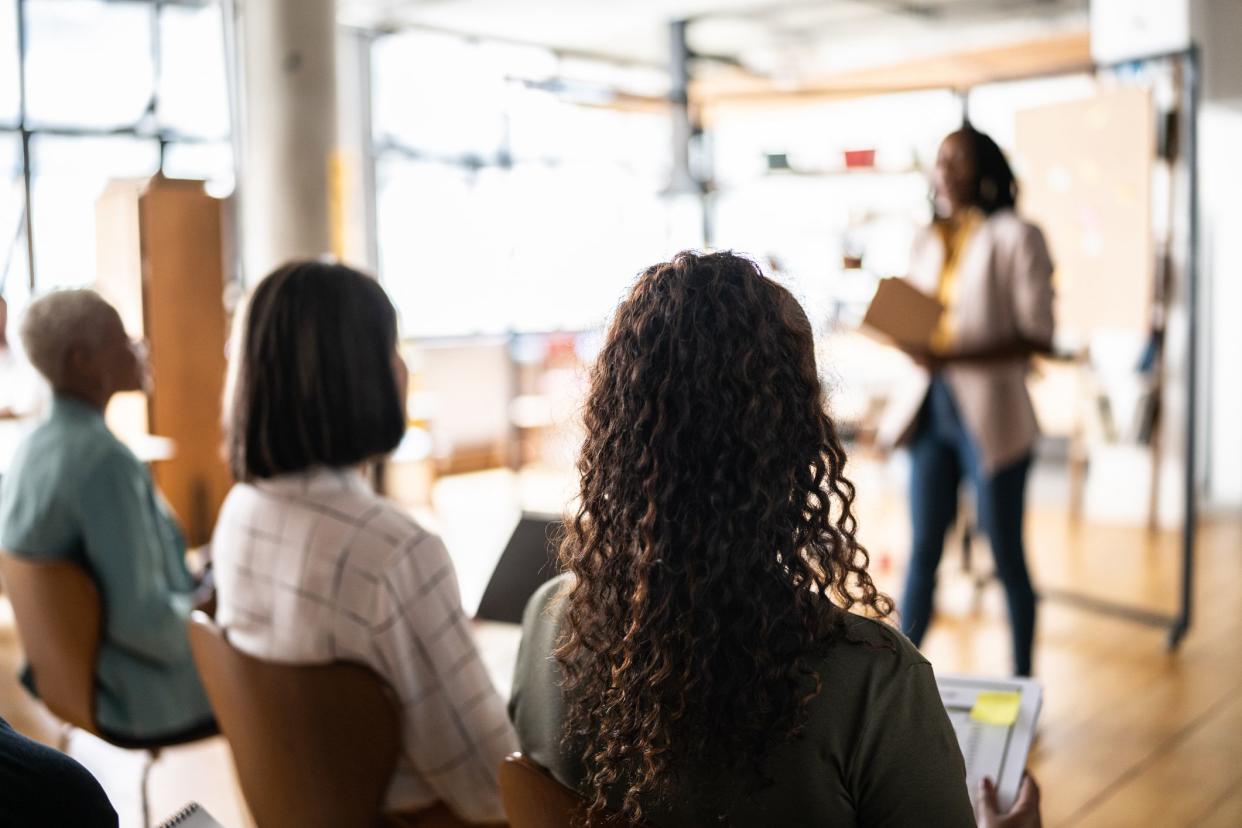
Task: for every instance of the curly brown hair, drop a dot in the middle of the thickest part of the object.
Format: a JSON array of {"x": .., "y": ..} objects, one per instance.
[{"x": 714, "y": 519}]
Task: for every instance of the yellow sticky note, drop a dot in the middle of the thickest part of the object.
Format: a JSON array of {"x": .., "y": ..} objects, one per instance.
[{"x": 996, "y": 708}]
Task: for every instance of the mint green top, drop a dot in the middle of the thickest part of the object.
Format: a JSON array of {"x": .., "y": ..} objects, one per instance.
[{"x": 75, "y": 492}]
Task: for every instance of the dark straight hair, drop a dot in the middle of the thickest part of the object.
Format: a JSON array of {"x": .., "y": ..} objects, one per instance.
[
  {"x": 995, "y": 186},
  {"x": 314, "y": 383}
]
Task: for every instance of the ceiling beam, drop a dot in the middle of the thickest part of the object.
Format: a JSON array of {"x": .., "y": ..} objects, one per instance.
[{"x": 1061, "y": 54}]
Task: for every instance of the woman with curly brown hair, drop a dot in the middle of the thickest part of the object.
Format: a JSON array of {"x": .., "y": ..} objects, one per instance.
[{"x": 699, "y": 663}]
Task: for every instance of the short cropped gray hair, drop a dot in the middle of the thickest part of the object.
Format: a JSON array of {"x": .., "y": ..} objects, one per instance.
[{"x": 55, "y": 324}]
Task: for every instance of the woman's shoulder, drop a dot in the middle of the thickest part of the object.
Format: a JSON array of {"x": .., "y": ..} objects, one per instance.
[
  {"x": 1008, "y": 227},
  {"x": 393, "y": 522},
  {"x": 397, "y": 545},
  {"x": 545, "y": 604},
  {"x": 870, "y": 666},
  {"x": 240, "y": 502},
  {"x": 355, "y": 510},
  {"x": 869, "y": 645}
]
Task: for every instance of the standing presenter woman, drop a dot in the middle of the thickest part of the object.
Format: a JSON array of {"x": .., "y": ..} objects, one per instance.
[{"x": 969, "y": 415}]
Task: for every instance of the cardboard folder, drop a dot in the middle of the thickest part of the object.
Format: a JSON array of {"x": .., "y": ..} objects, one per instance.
[{"x": 903, "y": 314}]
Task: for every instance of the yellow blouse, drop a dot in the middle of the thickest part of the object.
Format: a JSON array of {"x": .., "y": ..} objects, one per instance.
[{"x": 955, "y": 237}]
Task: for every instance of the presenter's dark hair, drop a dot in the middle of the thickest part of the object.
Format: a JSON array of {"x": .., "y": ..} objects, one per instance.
[
  {"x": 995, "y": 187},
  {"x": 313, "y": 382}
]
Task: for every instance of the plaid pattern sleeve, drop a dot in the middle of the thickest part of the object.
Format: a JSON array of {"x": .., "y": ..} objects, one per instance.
[{"x": 456, "y": 726}]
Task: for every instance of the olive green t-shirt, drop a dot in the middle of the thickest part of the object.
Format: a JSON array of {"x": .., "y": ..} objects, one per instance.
[{"x": 878, "y": 749}]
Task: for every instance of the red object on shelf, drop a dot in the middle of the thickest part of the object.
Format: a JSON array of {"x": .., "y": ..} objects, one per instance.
[{"x": 859, "y": 159}]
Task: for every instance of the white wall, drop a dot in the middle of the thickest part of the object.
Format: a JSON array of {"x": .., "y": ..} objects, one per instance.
[{"x": 1217, "y": 27}]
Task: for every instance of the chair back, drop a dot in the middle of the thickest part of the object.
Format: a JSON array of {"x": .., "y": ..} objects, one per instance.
[
  {"x": 314, "y": 745},
  {"x": 59, "y": 617},
  {"x": 534, "y": 799}
]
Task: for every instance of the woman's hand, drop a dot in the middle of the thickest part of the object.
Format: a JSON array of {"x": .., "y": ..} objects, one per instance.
[
  {"x": 935, "y": 360},
  {"x": 1023, "y": 814}
]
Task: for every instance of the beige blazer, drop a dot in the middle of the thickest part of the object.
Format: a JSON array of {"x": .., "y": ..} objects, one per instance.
[{"x": 1004, "y": 294}]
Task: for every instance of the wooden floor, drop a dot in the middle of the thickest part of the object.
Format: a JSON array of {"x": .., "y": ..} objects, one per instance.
[{"x": 1130, "y": 733}]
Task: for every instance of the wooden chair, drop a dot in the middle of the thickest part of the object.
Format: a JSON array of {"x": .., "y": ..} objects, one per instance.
[
  {"x": 59, "y": 620},
  {"x": 314, "y": 745},
  {"x": 534, "y": 799}
]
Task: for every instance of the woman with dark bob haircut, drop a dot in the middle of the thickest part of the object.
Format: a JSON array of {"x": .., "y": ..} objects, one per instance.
[
  {"x": 699, "y": 663},
  {"x": 312, "y": 566}
]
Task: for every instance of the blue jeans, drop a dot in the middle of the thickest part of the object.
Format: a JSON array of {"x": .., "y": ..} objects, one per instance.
[{"x": 941, "y": 454}]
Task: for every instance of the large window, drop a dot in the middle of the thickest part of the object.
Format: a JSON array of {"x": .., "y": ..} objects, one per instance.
[
  {"x": 112, "y": 89},
  {"x": 10, "y": 98},
  {"x": 832, "y": 225},
  {"x": 515, "y": 191},
  {"x": 14, "y": 281}
]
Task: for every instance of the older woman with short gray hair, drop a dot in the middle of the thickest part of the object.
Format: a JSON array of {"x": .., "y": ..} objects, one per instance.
[
  {"x": 76, "y": 341},
  {"x": 75, "y": 492}
]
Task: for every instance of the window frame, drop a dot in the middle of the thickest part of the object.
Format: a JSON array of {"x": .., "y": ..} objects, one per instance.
[{"x": 146, "y": 128}]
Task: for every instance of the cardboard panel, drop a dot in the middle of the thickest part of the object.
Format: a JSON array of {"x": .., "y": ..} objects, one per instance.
[
  {"x": 1086, "y": 170},
  {"x": 161, "y": 263},
  {"x": 903, "y": 313}
]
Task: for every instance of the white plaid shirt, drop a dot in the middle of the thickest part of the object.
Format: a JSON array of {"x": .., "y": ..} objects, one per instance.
[{"x": 313, "y": 568}]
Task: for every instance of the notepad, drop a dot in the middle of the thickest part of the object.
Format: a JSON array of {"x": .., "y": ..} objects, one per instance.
[
  {"x": 191, "y": 816},
  {"x": 994, "y": 720}
]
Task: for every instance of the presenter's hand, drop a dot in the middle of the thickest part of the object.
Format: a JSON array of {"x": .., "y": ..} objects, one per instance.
[{"x": 1023, "y": 814}]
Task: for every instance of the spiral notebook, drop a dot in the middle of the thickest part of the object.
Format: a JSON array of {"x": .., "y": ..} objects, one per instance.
[{"x": 191, "y": 816}]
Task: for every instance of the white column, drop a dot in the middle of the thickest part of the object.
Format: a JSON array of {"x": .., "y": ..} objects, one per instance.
[{"x": 289, "y": 128}]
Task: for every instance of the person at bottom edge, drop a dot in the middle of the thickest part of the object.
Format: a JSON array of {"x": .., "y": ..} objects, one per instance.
[{"x": 40, "y": 786}]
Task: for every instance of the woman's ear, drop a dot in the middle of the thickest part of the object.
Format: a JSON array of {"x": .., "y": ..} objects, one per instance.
[{"x": 84, "y": 373}]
